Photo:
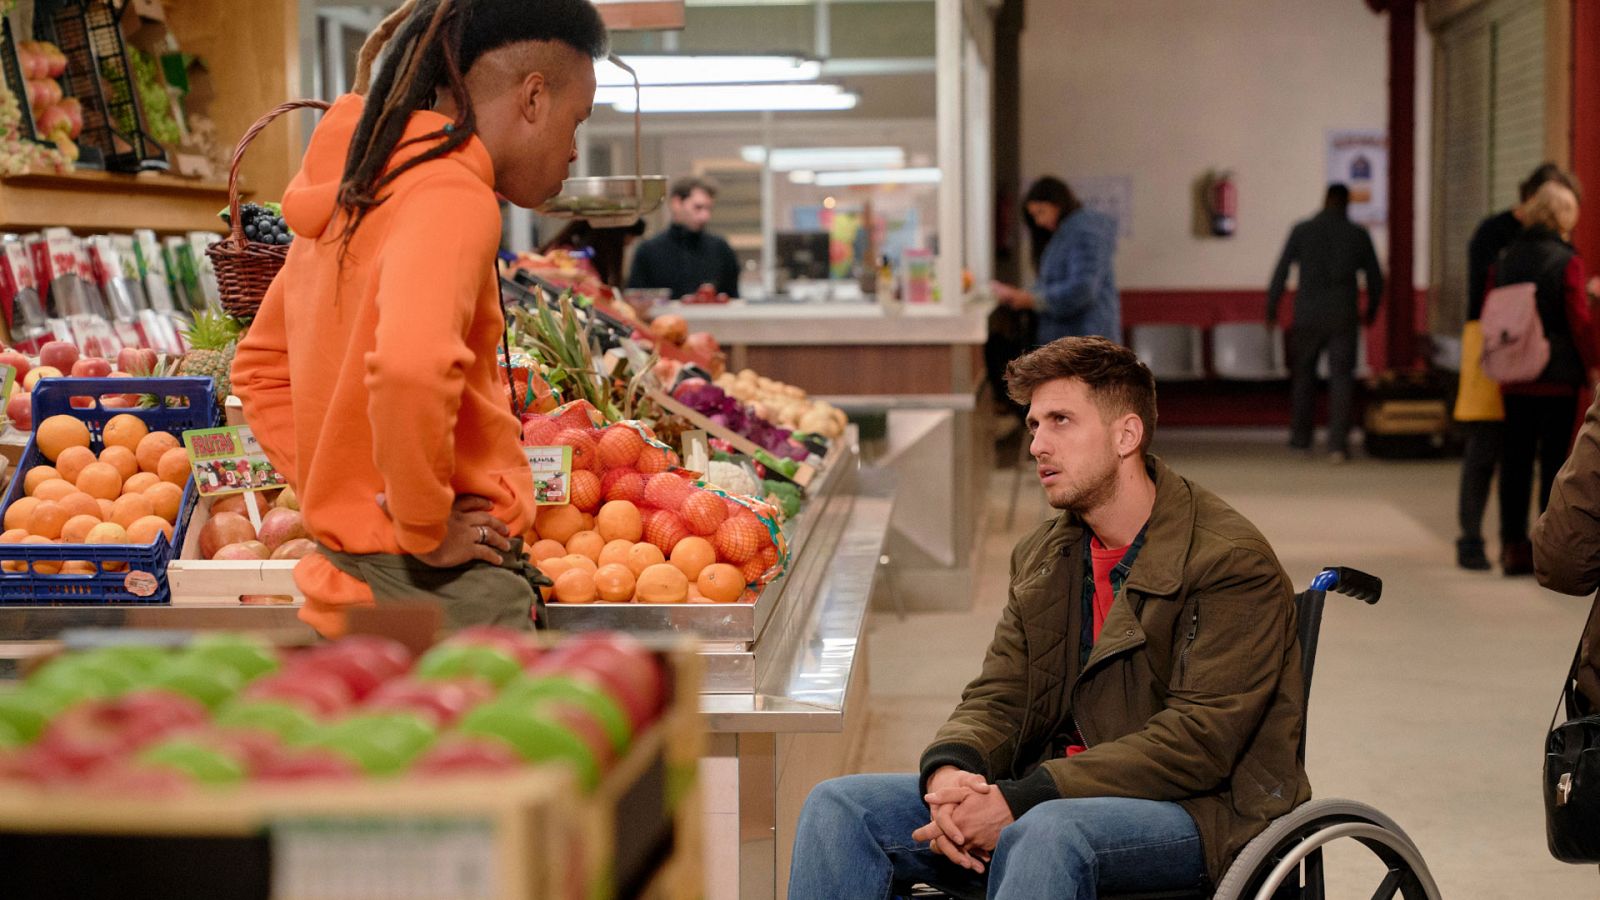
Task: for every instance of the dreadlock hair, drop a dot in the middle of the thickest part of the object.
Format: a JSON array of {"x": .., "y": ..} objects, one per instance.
[{"x": 432, "y": 45}]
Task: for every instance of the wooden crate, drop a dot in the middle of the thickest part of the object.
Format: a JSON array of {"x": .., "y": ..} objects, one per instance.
[
  {"x": 197, "y": 580},
  {"x": 530, "y": 836}
]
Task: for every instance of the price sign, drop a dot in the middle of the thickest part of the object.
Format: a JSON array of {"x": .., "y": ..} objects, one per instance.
[{"x": 229, "y": 461}]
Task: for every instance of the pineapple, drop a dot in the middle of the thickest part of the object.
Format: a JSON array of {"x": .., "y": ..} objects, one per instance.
[{"x": 212, "y": 342}]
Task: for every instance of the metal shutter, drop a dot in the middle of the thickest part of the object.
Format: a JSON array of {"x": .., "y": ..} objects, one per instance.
[{"x": 1516, "y": 135}]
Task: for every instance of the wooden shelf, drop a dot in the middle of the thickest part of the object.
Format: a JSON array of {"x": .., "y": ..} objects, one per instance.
[{"x": 93, "y": 202}]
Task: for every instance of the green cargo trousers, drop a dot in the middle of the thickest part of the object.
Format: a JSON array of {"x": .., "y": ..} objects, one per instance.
[{"x": 475, "y": 593}]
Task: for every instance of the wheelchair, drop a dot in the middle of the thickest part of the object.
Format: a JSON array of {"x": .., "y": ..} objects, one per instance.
[{"x": 1285, "y": 862}]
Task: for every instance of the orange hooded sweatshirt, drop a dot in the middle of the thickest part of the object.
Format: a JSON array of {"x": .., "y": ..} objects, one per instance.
[{"x": 381, "y": 375}]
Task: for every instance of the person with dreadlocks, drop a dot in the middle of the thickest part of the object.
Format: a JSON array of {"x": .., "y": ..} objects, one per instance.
[{"x": 370, "y": 374}]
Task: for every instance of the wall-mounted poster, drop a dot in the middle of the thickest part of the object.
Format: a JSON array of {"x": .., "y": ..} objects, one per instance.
[{"x": 1359, "y": 159}]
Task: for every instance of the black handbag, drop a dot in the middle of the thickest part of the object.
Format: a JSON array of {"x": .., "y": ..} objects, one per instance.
[{"x": 1572, "y": 779}]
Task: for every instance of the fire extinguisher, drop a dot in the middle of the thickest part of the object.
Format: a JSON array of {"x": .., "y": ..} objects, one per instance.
[{"x": 1222, "y": 204}]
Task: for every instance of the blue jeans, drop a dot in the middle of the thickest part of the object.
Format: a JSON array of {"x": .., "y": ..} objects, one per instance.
[{"x": 854, "y": 843}]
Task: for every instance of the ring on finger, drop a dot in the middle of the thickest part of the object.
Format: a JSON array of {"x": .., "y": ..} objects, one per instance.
[{"x": 483, "y": 534}]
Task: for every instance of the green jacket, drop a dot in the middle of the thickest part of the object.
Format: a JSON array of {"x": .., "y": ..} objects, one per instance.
[{"x": 1193, "y": 693}]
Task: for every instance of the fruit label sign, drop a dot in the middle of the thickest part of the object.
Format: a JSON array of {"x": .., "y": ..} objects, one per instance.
[
  {"x": 552, "y": 474},
  {"x": 385, "y": 856},
  {"x": 8, "y": 381},
  {"x": 229, "y": 461}
]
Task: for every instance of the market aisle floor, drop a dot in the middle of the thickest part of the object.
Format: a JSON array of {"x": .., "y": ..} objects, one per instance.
[{"x": 1431, "y": 705}]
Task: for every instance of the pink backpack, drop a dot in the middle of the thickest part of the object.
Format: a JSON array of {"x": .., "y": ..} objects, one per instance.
[{"x": 1515, "y": 349}]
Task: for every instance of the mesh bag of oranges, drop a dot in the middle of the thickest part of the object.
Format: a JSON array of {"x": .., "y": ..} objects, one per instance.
[
  {"x": 102, "y": 495},
  {"x": 641, "y": 529}
]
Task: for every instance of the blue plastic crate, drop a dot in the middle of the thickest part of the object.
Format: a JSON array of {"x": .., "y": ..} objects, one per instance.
[{"x": 54, "y": 396}]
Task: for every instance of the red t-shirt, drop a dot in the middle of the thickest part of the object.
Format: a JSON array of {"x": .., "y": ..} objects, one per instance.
[{"x": 1104, "y": 561}]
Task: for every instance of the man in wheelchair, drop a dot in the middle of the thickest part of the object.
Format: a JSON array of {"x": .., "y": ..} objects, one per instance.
[{"x": 1137, "y": 718}]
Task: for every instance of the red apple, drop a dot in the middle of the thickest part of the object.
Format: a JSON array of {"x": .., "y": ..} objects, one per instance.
[
  {"x": 73, "y": 107},
  {"x": 361, "y": 661},
  {"x": 59, "y": 355},
  {"x": 126, "y": 778},
  {"x": 91, "y": 367},
  {"x": 136, "y": 360},
  {"x": 441, "y": 701},
  {"x": 223, "y": 529},
  {"x": 311, "y": 690},
  {"x": 521, "y": 645},
  {"x": 280, "y": 526},
  {"x": 16, "y": 360},
  {"x": 458, "y": 754},
  {"x": 628, "y": 670},
  {"x": 305, "y": 764},
  {"x": 89, "y": 733},
  {"x": 19, "y": 410},
  {"x": 243, "y": 551},
  {"x": 298, "y": 548},
  {"x": 34, "y": 765}
]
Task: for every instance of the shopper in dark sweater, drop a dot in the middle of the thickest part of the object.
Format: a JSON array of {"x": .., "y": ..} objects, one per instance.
[
  {"x": 1330, "y": 251},
  {"x": 686, "y": 255},
  {"x": 1482, "y": 450},
  {"x": 1540, "y": 413}
]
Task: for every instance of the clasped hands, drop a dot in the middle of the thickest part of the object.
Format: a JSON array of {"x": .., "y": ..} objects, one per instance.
[{"x": 968, "y": 814}]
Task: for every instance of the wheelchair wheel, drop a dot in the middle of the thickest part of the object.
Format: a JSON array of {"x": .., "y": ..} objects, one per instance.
[{"x": 1285, "y": 861}]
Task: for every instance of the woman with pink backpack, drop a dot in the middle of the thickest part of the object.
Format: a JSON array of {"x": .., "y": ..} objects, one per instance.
[{"x": 1539, "y": 343}]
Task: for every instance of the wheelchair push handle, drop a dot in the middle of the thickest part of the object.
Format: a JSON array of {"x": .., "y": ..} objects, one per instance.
[{"x": 1350, "y": 582}]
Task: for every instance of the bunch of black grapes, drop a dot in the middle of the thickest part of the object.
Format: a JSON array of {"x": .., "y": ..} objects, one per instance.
[{"x": 264, "y": 226}]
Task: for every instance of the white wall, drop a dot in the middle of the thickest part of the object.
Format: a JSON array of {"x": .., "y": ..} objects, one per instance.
[{"x": 1162, "y": 90}]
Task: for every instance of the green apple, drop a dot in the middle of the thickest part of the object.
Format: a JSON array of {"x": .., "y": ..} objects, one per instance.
[
  {"x": 10, "y": 736},
  {"x": 468, "y": 661},
  {"x": 207, "y": 680},
  {"x": 251, "y": 657},
  {"x": 535, "y": 736},
  {"x": 206, "y": 765},
  {"x": 380, "y": 743},
  {"x": 291, "y": 723},
  {"x": 530, "y": 690},
  {"x": 135, "y": 659},
  {"x": 75, "y": 677},
  {"x": 27, "y": 711}
]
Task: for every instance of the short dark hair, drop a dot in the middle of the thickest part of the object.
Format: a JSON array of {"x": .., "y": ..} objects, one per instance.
[
  {"x": 1338, "y": 195},
  {"x": 1117, "y": 380},
  {"x": 1544, "y": 174},
  {"x": 683, "y": 187}
]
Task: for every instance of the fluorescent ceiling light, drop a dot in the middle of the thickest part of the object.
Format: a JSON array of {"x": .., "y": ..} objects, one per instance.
[
  {"x": 827, "y": 159},
  {"x": 878, "y": 176},
  {"x": 658, "y": 70},
  {"x": 732, "y": 98}
]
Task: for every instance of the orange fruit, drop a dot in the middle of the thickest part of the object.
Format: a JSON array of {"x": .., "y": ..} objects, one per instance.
[
  {"x": 105, "y": 508},
  {"x": 167, "y": 498},
  {"x": 619, "y": 520},
  {"x": 78, "y": 503},
  {"x": 139, "y": 482},
  {"x": 691, "y": 555},
  {"x": 144, "y": 531},
  {"x": 576, "y": 585},
  {"x": 130, "y": 508},
  {"x": 125, "y": 430},
  {"x": 696, "y": 597},
  {"x": 643, "y": 556},
  {"x": 586, "y": 543},
  {"x": 53, "y": 489},
  {"x": 77, "y": 529},
  {"x": 47, "y": 519},
  {"x": 72, "y": 461},
  {"x": 614, "y": 583},
  {"x": 100, "y": 480},
  {"x": 152, "y": 447},
  {"x": 13, "y": 536},
  {"x": 18, "y": 512},
  {"x": 55, "y": 434},
  {"x": 174, "y": 466},
  {"x": 78, "y": 567},
  {"x": 588, "y": 522},
  {"x": 107, "y": 533},
  {"x": 558, "y": 523},
  {"x": 37, "y": 476},
  {"x": 720, "y": 583},
  {"x": 41, "y": 566},
  {"x": 122, "y": 459},
  {"x": 553, "y": 568},
  {"x": 579, "y": 561},
  {"x": 615, "y": 553},
  {"x": 547, "y": 549},
  {"x": 662, "y": 583}
]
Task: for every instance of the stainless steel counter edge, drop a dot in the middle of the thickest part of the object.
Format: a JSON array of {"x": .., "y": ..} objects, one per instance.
[{"x": 806, "y": 686}]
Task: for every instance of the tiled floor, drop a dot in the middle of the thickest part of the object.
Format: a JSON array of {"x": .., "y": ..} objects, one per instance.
[{"x": 1431, "y": 705}]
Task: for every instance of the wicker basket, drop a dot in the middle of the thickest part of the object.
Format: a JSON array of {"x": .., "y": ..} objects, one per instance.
[{"x": 245, "y": 268}]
